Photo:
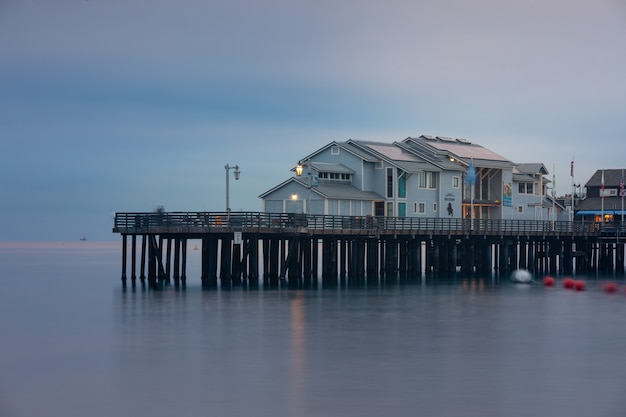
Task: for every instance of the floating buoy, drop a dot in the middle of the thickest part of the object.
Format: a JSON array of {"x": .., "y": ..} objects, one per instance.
[
  {"x": 568, "y": 283},
  {"x": 521, "y": 276},
  {"x": 579, "y": 285},
  {"x": 548, "y": 281},
  {"x": 610, "y": 287}
]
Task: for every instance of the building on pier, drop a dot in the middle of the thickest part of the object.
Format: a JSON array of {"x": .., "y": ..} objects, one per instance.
[
  {"x": 423, "y": 177},
  {"x": 604, "y": 202}
]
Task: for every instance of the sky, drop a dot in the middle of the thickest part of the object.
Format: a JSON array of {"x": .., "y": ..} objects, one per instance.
[{"x": 126, "y": 105}]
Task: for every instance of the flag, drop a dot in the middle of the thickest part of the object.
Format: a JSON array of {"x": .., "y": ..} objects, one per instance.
[{"x": 471, "y": 173}]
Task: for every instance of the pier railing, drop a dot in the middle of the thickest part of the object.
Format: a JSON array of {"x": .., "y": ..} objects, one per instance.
[{"x": 208, "y": 222}]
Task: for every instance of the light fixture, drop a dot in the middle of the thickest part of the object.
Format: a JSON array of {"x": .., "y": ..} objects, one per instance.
[
  {"x": 299, "y": 169},
  {"x": 236, "y": 173}
]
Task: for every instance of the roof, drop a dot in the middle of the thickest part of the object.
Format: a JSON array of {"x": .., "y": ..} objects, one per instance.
[
  {"x": 612, "y": 178},
  {"x": 396, "y": 155},
  {"x": 523, "y": 178},
  {"x": 328, "y": 167},
  {"x": 330, "y": 190},
  {"x": 345, "y": 146},
  {"x": 345, "y": 192},
  {"x": 462, "y": 148},
  {"x": 595, "y": 203},
  {"x": 536, "y": 168}
]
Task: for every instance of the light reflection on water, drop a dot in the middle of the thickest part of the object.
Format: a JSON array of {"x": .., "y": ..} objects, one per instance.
[{"x": 73, "y": 342}]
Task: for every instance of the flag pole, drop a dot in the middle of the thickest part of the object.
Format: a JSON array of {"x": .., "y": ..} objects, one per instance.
[
  {"x": 621, "y": 191},
  {"x": 471, "y": 178},
  {"x": 553, "y": 192},
  {"x": 602, "y": 196},
  {"x": 571, "y": 173}
]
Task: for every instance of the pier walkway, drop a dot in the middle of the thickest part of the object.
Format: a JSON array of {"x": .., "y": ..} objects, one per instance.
[{"x": 242, "y": 247}]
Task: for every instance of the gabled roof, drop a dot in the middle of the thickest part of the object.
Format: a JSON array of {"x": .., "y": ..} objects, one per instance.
[
  {"x": 345, "y": 146},
  {"x": 395, "y": 155},
  {"x": 330, "y": 190},
  {"x": 612, "y": 178},
  {"x": 461, "y": 149},
  {"x": 441, "y": 159},
  {"x": 282, "y": 184},
  {"x": 536, "y": 168}
]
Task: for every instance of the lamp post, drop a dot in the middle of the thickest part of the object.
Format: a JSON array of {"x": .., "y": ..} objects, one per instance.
[
  {"x": 576, "y": 197},
  {"x": 299, "y": 171},
  {"x": 236, "y": 173}
]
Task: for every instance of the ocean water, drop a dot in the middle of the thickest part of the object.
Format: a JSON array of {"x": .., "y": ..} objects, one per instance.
[{"x": 73, "y": 342}]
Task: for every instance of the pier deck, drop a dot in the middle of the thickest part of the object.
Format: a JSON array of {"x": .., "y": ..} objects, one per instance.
[{"x": 238, "y": 246}]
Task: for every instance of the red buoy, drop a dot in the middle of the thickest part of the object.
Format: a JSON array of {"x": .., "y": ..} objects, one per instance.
[
  {"x": 579, "y": 285},
  {"x": 610, "y": 287},
  {"x": 548, "y": 281},
  {"x": 568, "y": 283}
]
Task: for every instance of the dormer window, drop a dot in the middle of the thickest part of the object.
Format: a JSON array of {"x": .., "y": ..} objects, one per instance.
[{"x": 335, "y": 177}]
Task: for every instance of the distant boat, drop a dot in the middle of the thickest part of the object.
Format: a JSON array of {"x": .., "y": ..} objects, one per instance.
[
  {"x": 83, "y": 238},
  {"x": 521, "y": 276}
]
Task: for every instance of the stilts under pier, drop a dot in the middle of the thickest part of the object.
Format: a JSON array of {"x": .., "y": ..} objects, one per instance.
[{"x": 252, "y": 249}]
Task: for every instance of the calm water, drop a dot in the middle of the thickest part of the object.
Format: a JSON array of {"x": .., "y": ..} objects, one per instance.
[{"x": 72, "y": 342}]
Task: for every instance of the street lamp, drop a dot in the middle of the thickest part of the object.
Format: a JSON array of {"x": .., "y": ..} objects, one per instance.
[
  {"x": 236, "y": 173},
  {"x": 299, "y": 171}
]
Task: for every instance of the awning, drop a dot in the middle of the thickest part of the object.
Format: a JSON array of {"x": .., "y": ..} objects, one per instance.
[{"x": 598, "y": 212}]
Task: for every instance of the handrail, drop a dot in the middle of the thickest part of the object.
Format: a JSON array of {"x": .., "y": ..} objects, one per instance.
[{"x": 198, "y": 222}]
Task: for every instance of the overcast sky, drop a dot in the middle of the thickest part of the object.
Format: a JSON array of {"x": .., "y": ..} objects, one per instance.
[{"x": 125, "y": 105}]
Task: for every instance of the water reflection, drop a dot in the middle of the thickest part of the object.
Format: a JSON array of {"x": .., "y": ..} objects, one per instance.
[
  {"x": 297, "y": 384},
  {"x": 465, "y": 347}
]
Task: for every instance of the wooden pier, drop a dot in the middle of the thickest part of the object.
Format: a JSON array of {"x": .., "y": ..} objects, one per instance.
[{"x": 253, "y": 248}]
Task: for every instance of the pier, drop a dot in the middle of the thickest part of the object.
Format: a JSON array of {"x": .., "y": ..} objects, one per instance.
[{"x": 302, "y": 251}]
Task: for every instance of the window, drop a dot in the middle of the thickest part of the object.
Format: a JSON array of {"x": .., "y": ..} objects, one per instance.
[
  {"x": 520, "y": 209},
  {"x": 335, "y": 177},
  {"x": 427, "y": 179},
  {"x": 334, "y": 150},
  {"x": 525, "y": 188},
  {"x": 389, "y": 182},
  {"x": 419, "y": 208},
  {"x": 455, "y": 182},
  {"x": 402, "y": 186},
  {"x": 390, "y": 209},
  {"x": 435, "y": 207},
  {"x": 401, "y": 209}
]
